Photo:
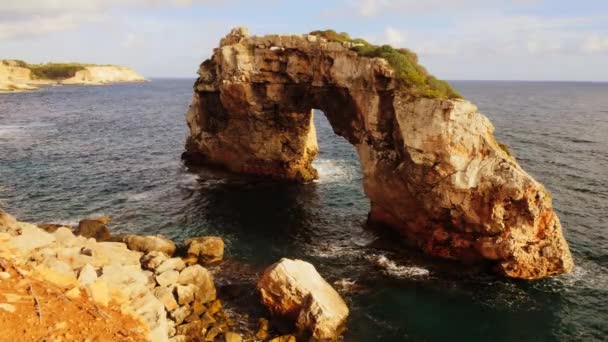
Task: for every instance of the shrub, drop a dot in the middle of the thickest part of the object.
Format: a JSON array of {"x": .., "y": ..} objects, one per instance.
[
  {"x": 55, "y": 71},
  {"x": 410, "y": 75}
]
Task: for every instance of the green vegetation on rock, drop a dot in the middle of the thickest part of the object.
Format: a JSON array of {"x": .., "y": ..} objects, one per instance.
[
  {"x": 55, "y": 71},
  {"x": 409, "y": 74},
  {"x": 505, "y": 148}
]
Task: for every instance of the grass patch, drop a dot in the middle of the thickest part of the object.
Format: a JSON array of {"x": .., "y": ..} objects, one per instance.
[
  {"x": 55, "y": 71},
  {"x": 14, "y": 62},
  {"x": 410, "y": 75}
]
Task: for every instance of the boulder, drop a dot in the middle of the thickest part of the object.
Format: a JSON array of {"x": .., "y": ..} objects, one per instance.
[
  {"x": 294, "y": 290},
  {"x": 165, "y": 295},
  {"x": 31, "y": 237},
  {"x": 185, "y": 293},
  {"x": 87, "y": 275},
  {"x": 167, "y": 278},
  {"x": 149, "y": 243},
  {"x": 94, "y": 228},
  {"x": 153, "y": 313},
  {"x": 207, "y": 249},
  {"x": 170, "y": 264},
  {"x": 181, "y": 313},
  {"x": 128, "y": 278},
  {"x": 152, "y": 260},
  {"x": 202, "y": 279}
]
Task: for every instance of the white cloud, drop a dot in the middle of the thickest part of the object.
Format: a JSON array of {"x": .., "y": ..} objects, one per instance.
[
  {"x": 595, "y": 44},
  {"x": 41, "y": 25},
  {"x": 369, "y": 8},
  {"x": 27, "y": 18},
  {"x": 495, "y": 35},
  {"x": 394, "y": 37}
]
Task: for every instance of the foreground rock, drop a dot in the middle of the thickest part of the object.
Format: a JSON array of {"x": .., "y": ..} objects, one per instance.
[
  {"x": 107, "y": 272},
  {"x": 294, "y": 290},
  {"x": 432, "y": 168},
  {"x": 207, "y": 249},
  {"x": 175, "y": 301}
]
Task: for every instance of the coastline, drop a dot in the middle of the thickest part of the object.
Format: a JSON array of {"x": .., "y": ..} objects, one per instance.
[{"x": 18, "y": 76}]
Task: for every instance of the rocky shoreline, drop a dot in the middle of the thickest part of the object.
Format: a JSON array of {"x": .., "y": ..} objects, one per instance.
[{"x": 166, "y": 288}]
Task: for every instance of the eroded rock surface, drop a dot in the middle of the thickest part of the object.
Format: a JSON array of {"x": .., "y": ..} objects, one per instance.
[{"x": 432, "y": 167}]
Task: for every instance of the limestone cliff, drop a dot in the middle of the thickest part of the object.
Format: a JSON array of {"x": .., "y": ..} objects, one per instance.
[
  {"x": 19, "y": 76},
  {"x": 14, "y": 77},
  {"x": 97, "y": 75},
  {"x": 432, "y": 167}
]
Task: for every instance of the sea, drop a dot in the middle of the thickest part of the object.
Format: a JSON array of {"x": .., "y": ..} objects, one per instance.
[{"x": 67, "y": 153}]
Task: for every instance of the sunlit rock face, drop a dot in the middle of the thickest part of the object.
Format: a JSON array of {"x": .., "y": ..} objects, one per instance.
[{"x": 432, "y": 167}]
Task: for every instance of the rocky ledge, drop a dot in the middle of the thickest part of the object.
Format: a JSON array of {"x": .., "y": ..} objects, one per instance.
[
  {"x": 432, "y": 168},
  {"x": 136, "y": 288},
  {"x": 18, "y": 76}
]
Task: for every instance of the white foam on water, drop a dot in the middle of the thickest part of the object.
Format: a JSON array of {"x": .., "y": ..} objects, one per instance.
[
  {"x": 399, "y": 271},
  {"x": 10, "y": 130},
  {"x": 136, "y": 197},
  {"x": 331, "y": 171},
  {"x": 333, "y": 251},
  {"x": 589, "y": 275}
]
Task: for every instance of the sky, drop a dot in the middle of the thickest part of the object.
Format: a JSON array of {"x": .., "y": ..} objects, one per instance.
[{"x": 455, "y": 39}]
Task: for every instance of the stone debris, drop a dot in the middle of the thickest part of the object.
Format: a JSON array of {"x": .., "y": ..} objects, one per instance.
[{"x": 175, "y": 300}]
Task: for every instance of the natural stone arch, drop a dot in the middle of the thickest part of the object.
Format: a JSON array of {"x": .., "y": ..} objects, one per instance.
[{"x": 432, "y": 167}]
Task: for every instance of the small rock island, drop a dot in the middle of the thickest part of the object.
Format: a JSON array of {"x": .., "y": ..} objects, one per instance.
[
  {"x": 432, "y": 169},
  {"x": 16, "y": 75}
]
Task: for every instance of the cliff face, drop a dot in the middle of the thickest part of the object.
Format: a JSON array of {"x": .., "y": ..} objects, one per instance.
[
  {"x": 17, "y": 76},
  {"x": 14, "y": 77},
  {"x": 432, "y": 167},
  {"x": 104, "y": 75}
]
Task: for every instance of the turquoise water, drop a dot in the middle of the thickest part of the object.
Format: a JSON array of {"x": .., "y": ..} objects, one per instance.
[{"x": 71, "y": 152}]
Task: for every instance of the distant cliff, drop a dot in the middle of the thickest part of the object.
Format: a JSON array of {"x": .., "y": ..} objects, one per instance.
[{"x": 17, "y": 75}]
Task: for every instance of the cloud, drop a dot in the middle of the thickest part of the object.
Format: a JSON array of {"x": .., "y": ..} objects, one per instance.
[
  {"x": 502, "y": 35},
  {"x": 595, "y": 44},
  {"x": 394, "y": 37},
  {"x": 370, "y": 8},
  {"x": 40, "y": 25},
  {"x": 29, "y": 18}
]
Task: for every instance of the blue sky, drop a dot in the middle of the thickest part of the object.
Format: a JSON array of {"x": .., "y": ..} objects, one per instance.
[{"x": 455, "y": 39}]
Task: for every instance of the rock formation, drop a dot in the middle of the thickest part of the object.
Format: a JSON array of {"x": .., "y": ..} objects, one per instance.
[
  {"x": 18, "y": 76},
  {"x": 432, "y": 167},
  {"x": 294, "y": 290}
]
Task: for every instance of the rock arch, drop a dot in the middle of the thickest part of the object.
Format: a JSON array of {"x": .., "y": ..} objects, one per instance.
[{"x": 432, "y": 167}]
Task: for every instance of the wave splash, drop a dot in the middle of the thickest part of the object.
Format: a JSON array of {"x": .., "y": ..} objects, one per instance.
[
  {"x": 334, "y": 170},
  {"x": 391, "y": 268}
]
